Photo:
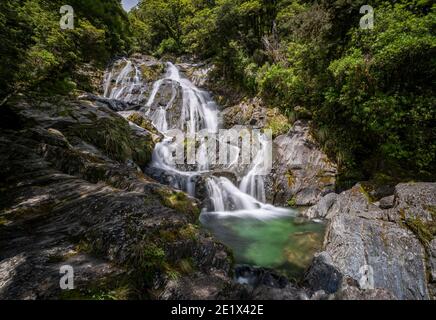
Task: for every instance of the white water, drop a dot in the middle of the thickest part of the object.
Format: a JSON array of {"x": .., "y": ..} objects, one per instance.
[
  {"x": 127, "y": 85},
  {"x": 198, "y": 112}
]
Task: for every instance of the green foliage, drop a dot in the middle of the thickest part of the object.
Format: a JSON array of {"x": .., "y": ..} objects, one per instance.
[
  {"x": 382, "y": 85},
  {"x": 38, "y": 55}
]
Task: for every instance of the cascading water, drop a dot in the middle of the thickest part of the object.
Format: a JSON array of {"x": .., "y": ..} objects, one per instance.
[
  {"x": 127, "y": 86},
  {"x": 198, "y": 112},
  {"x": 260, "y": 233}
]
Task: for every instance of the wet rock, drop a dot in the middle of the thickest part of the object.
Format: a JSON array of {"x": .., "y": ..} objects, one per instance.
[
  {"x": 198, "y": 73},
  {"x": 301, "y": 172}
]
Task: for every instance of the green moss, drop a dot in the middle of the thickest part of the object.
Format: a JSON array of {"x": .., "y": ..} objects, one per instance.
[
  {"x": 3, "y": 221},
  {"x": 424, "y": 231},
  {"x": 365, "y": 189},
  {"x": 142, "y": 122},
  {"x": 153, "y": 72},
  {"x": 186, "y": 266},
  {"x": 114, "y": 137},
  {"x": 178, "y": 201},
  {"x": 292, "y": 202},
  {"x": 111, "y": 135},
  {"x": 277, "y": 123},
  {"x": 111, "y": 288},
  {"x": 290, "y": 177},
  {"x": 190, "y": 231},
  {"x": 84, "y": 247}
]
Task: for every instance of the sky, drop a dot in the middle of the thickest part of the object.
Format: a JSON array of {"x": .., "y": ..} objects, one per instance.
[{"x": 129, "y": 4}]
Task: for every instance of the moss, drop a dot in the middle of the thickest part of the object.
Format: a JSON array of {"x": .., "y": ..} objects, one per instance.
[
  {"x": 142, "y": 122},
  {"x": 84, "y": 247},
  {"x": 290, "y": 177},
  {"x": 3, "y": 221},
  {"x": 112, "y": 288},
  {"x": 186, "y": 266},
  {"x": 425, "y": 232},
  {"x": 186, "y": 232},
  {"x": 178, "y": 201},
  {"x": 153, "y": 72},
  {"x": 277, "y": 123},
  {"x": 142, "y": 150},
  {"x": 111, "y": 135},
  {"x": 292, "y": 202},
  {"x": 114, "y": 137},
  {"x": 190, "y": 231},
  {"x": 168, "y": 235},
  {"x": 365, "y": 189}
]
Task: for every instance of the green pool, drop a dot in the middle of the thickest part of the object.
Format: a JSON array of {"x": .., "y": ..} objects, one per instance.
[{"x": 286, "y": 244}]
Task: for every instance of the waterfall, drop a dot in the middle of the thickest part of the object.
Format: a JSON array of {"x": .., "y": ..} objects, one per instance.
[
  {"x": 253, "y": 183},
  {"x": 127, "y": 85},
  {"x": 198, "y": 112}
]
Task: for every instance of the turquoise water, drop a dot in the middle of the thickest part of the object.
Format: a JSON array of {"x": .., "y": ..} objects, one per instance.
[{"x": 286, "y": 244}]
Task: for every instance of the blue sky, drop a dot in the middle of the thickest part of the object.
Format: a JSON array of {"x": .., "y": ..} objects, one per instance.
[{"x": 129, "y": 4}]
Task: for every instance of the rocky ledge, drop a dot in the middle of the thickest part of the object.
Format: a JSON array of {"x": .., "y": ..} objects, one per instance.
[{"x": 385, "y": 247}]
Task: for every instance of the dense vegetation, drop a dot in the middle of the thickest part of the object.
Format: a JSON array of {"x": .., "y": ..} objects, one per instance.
[
  {"x": 369, "y": 92},
  {"x": 37, "y": 54}
]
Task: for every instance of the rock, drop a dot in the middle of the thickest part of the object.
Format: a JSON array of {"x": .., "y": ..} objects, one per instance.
[
  {"x": 321, "y": 209},
  {"x": 252, "y": 113},
  {"x": 354, "y": 293},
  {"x": 415, "y": 201},
  {"x": 364, "y": 243},
  {"x": 301, "y": 172},
  {"x": 72, "y": 192},
  {"x": 432, "y": 247},
  {"x": 323, "y": 275},
  {"x": 198, "y": 73},
  {"x": 387, "y": 202},
  {"x": 355, "y": 202}
]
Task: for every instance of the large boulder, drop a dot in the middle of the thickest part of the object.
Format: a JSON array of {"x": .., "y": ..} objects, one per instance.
[
  {"x": 387, "y": 249},
  {"x": 301, "y": 172}
]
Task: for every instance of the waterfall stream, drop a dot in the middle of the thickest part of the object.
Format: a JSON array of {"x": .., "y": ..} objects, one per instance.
[{"x": 174, "y": 102}]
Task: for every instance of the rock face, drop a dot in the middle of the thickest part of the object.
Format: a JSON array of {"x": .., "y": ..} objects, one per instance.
[
  {"x": 73, "y": 193},
  {"x": 321, "y": 209},
  {"x": 301, "y": 173},
  {"x": 379, "y": 249}
]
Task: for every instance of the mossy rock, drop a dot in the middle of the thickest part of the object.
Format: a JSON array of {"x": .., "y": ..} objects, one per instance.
[
  {"x": 114, "y": 137},
  {"x": 143, "y": 122},
  {"x": 151, "y": 72},
  {"x": 277, "y": 123},
  {"x": 179, "y": 201}
]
